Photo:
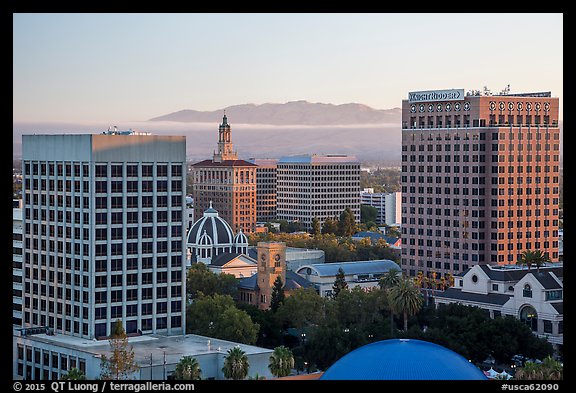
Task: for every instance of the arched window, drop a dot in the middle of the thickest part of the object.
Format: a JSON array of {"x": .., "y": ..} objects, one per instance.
[
  {"x": 529, "y": 317},
  {"x": 527, "y": 291}
]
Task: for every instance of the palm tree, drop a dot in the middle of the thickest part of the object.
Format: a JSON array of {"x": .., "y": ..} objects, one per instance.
[
  {"x": 235, "y": 364},
  {"x": 536, "y": 257},
  {"x": 406, "y": 299},
  {"x": 388, "y": 281},
  {"x": 281, "y": 361},
  {"x": 187, "y": 369},
  {"x": 74, "y": 374},
  {"x": 548, "y": 370}
]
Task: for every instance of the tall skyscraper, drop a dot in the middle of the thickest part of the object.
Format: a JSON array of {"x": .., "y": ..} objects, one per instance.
[
  {"x": 480, "y": 178},
  {"x": 104, "y": 233},
  {"x": 317, "y": 186},
  {"x": 265, "y": 188},
  {"x": 227, "y": 182}
]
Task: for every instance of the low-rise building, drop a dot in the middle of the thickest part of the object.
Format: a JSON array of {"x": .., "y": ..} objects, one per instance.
[
  {"x": 363, "y": 274},
  {"x": 534, "y": 296},
  {"x": 45, "y": 357}
]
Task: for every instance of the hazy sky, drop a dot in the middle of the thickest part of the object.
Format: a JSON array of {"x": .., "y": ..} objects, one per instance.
[{"x": 132, "y": 67}]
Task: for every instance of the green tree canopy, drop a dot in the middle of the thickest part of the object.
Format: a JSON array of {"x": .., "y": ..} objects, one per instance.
[
  {"x": 340, "y": 283},
  {"x": 74, "y": 374},
  {"x": 187, "y": 369},
  {"x": 330, "y": 226},
  {"x": 304, "y": 307},
  {"x": 368, "y": 214},
  {"x": 217, "y": 316},
  {"x": 278, "y": 295},
  {"x": 347, "y": 223},
  {"x": 548, "y": 370},
  {"x": 281, "y": 361},
  {"x": 200, "y": 280},
  {"x": 315, "y": 226},
  {"x": 405, "y": 299},
  {"x": 533, "y": 257},
  {"x": 235, "y": 364}
]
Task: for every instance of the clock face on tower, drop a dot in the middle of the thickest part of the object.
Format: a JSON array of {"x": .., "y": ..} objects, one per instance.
[
  {"x": 277, "y": 257},
  {"x": 501, "y": 105},
  {"x": 412, "y": 108},
  {"x": 263, "y": 257}
]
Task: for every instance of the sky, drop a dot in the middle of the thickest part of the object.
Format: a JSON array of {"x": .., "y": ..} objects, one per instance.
[{"x": 93, "y": 67}]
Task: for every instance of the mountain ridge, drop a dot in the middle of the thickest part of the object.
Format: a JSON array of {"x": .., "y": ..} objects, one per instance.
[{"x": 299, "y": 112}]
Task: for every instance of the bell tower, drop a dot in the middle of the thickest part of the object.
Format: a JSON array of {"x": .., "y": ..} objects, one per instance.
[
  {"x": 225, "y": 147},
  {"x": 271, "y": 264}
]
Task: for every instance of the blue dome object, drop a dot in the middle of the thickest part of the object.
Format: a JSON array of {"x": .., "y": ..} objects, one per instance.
[{"x": 403, "y": 359}]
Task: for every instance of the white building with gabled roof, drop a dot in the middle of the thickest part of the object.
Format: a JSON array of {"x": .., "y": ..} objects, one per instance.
[{"x": 534, "y": 296}]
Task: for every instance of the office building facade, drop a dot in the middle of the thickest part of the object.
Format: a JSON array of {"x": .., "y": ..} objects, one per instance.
[
  {"x": 317, "y": 186},
  {"x": 265, "y": 188},
  {"x": 104, "y": 233},
  {"x": 480, "y": 179}
]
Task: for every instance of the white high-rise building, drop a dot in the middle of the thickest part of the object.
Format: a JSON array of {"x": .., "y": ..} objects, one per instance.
[
  {"x": 388, "y": 205},
  {"x": 17, "y": 267},
  {"x": 104, "y": 233},
  {"x": 317, "y": 186}
]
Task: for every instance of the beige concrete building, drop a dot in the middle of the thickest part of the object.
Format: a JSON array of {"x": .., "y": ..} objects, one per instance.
[
  {"x": 320, "y": 186},
  {"x": 480, "y": 179},
  {"x": 227, "y": 182}
]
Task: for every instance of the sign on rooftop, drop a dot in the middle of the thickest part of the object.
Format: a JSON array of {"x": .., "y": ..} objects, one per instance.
[{"x": 436, "y": 95}]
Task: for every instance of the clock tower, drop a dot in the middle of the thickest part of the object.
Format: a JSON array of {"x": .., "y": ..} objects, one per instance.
[{"x": 271, "y": 264}]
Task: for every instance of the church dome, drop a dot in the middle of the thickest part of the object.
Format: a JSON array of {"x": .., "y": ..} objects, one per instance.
[
  {"x": 218, "y": 230},
  {"x": 240, "y": 238},
  {"x": 402, "y": 359},
  {"x": 205, "y": 240}
]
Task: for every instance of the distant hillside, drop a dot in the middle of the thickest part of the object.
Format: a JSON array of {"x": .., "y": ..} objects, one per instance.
[{"x": 290, "y": 113}]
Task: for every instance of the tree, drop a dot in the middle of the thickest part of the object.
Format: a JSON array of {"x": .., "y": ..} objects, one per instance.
[
  {"x": 405, "y": 299},
  {"x": 121, "y": 364},
  {"x": 217, "y": 316},
  {"x": 315, "y": 226},
  {"x": 235, "y": 364},
  {"x": 277, "y": 294},
  {"x": 330, "y": 226},
  {"x": 535, "y": 257},
  {"x": 347, "y": 223},
  {"x": 548, "y": 370},
  {"x": 304, "y": 307},
  {"x": 389, "y": 280},
  {"x": 368, "y": 214},
  {"x": 74, "y": 374},
  {"x": 187, "y": 369},
  {"x": 201, "y": 281},
  {"x": 339, "y": 283},
  {"x": 281, "y": 361}
]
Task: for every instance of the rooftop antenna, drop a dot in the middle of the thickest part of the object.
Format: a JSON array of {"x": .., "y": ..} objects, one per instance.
[{"x": 506, "y": 90}]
